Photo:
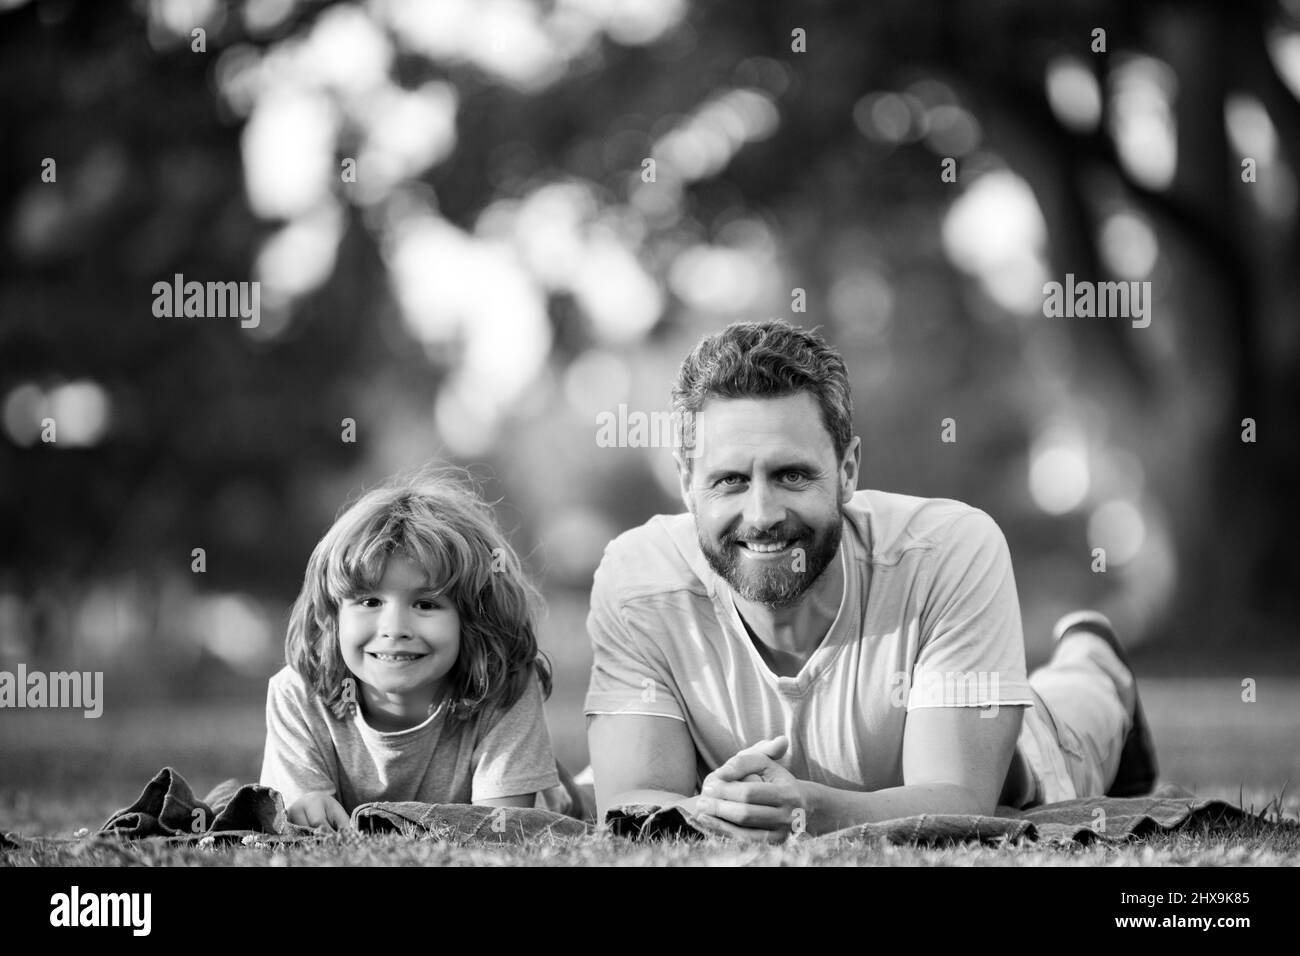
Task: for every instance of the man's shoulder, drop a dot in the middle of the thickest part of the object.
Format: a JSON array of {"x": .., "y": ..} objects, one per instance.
[
  {"x": 896, "y": 523},
  {"x": 661, "y": 556}
]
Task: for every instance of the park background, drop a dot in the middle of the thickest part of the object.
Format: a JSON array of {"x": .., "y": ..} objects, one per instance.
[{"x": 499, "y": 272}]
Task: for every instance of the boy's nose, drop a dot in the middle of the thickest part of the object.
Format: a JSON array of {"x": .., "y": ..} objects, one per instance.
[{"x": 394, "y": 624}]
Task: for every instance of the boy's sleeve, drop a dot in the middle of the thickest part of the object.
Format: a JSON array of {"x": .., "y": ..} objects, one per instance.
[
  {"x": 972, "y": 647},
  {"x": 293, "y": 762},
  {"x": 625, "y": 676},
  {"x": 515, "y": 757}
]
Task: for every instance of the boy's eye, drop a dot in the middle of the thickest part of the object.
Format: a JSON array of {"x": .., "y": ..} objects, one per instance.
[
  {"x": 427, "y": 604},
  {"x": 367, "y": 601}
]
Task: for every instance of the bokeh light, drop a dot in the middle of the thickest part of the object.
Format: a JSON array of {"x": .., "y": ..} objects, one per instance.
[
  {"x": 79, "y": 414},
  {"x": 1058, "y": 470},
  {"x": 995, "y": 231},
  {"x": 1128, "y": 245},
  {"x": 1117, "y": 526},
  {"x": 1073, "y": 93},
  {"x": 1143, "y": 90}
]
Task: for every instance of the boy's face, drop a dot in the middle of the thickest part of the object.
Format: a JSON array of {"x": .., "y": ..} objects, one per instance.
[{"x": 400, "y": 639}]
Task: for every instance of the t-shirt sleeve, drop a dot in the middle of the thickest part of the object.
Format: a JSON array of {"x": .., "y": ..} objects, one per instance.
[
  {"x": 626, "y": 675},
  {"x": 515, "y": 757},
  {"x": 294, "y": 761},
  {"x": 972, "y": 648}
]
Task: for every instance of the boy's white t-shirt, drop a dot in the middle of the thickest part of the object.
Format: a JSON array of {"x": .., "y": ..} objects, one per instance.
[
  {"x": 442, "y": 760},
  {"x": 929, "y": 617}
]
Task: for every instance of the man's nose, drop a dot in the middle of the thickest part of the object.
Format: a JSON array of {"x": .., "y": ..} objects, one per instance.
[{"x": 763, "y": 507}]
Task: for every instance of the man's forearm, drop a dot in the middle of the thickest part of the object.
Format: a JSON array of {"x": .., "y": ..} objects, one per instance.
[{"x": 830, "y": 809}]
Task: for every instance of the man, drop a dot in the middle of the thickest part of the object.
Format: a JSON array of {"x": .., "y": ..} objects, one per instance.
[{"x": 794, "y": 656}]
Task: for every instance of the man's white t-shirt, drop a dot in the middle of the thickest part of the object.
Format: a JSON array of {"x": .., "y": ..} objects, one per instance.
[{"x": 929, "y": 618}]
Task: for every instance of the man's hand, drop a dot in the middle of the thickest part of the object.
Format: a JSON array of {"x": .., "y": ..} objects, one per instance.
[
  {"x": 319, "y": 810},
  {"x": 752, "y": 797}
]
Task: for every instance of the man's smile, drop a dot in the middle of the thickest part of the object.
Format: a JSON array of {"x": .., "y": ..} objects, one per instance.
[{"x": 765, "y": 548}]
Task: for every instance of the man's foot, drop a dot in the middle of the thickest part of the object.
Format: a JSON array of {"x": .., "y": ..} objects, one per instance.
[{"x": 1137, "y": 771}]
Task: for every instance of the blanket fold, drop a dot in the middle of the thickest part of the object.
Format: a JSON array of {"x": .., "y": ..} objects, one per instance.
[
  {"x": 168, "y": 807},
  {"x": 467, "y": 822},
  {"x": 1114, "y": 819}
]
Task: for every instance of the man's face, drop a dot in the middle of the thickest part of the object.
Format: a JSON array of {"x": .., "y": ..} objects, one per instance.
[{"x": 767, "y": 492}]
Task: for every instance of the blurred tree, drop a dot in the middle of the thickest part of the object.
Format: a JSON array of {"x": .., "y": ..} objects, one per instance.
[{"x": 231, "y": 441}]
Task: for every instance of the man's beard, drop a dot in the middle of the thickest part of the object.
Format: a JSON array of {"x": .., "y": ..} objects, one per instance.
[{"x": 776, "y": 583}]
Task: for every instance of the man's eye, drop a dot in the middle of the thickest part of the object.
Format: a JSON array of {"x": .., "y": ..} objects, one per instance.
[
  {"x": 794, "y": 477},
  {"x": 731, "y": 480}
]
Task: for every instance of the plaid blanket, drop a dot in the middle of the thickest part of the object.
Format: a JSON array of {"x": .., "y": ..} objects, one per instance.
[
  {"x": 168, "y": 808},
  {"x": 1111, "y": 819}
]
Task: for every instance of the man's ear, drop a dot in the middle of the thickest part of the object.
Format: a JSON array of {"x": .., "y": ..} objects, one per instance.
[
  {"x": 684, "y": 479},
  {"x": 849, "y": 469}
]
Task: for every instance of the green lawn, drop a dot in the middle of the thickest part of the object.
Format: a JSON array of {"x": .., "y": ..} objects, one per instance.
[
  {"x": 60, "y": 773},
  {"x": 1247, "y": 844}
]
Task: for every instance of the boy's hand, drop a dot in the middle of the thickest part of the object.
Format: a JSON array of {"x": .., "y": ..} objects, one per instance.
[{"x": 317, "y": 810}]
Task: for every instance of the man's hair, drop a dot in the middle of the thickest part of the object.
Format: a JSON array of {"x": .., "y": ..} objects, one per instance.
[{"x": 767, "y": 360}]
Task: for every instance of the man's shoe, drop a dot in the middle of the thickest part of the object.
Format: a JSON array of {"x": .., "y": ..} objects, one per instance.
[{"x": 1137, "y": 771}]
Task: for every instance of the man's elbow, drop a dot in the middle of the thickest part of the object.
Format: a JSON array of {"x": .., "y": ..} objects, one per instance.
[{"x": 971, "y": 801}]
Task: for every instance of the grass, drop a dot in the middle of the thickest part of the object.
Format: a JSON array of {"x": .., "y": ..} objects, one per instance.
[
  {"x": 60, "y": 774},
  {"x": 1248, "y": 842}
]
